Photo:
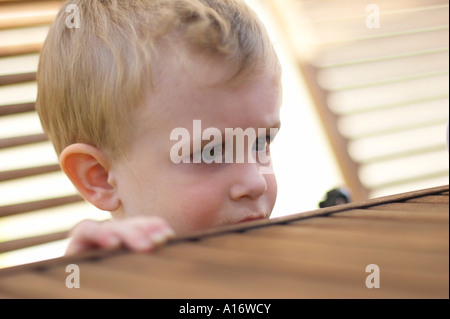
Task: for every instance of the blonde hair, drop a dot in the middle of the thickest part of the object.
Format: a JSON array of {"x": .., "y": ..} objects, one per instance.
[{"x": 92, "y": 78}]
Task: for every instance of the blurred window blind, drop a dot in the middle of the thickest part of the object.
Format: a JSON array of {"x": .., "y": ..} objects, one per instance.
[
  {"x": 378, "y": 73},
  {"x": 36, "y": 199}
]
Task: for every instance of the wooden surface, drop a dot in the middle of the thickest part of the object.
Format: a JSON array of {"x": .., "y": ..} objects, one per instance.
[{"x": 318, "y": 254}]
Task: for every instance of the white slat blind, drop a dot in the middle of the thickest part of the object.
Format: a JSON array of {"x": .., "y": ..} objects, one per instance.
[{"x": 379, "y": 74}]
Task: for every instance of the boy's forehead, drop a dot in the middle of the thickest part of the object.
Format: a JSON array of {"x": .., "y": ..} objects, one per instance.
[
  {"x": 255, "y": 102},
  {"x": 189, "y": 84},
  {"x": 173, "y": 56},
  {"x": 176, "y": 61}
]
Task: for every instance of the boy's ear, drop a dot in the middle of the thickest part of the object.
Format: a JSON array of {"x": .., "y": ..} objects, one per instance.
[{"x": 89, "y": 170}]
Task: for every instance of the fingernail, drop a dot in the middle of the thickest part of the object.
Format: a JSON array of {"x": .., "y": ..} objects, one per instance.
[
  {"x": 159, "y": 238},
  {"x": 169, "y": 232},
  {"x": 112, "y": 241},
  {"x": 143, "y": 244}
]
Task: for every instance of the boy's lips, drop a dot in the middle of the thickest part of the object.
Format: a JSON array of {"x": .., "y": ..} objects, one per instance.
[{"x": 252, "y": 218}]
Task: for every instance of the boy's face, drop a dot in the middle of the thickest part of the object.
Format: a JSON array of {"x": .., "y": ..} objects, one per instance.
[{"x": 194, "y": 196}]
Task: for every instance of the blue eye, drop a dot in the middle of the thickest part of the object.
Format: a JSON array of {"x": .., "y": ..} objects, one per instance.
[
  {"x": 262, "y": 143},
  {"x": 212, "y": 154}
]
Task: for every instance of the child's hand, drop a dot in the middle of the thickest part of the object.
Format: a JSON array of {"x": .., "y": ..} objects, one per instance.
[{"x": 140, "y": 234}]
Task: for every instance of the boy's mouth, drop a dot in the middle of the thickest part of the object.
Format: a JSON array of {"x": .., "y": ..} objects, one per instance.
[{"x": 252, "y": 217}]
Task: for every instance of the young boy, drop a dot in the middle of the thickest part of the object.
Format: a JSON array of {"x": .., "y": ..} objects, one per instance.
[{"x": 140, "y": 101}]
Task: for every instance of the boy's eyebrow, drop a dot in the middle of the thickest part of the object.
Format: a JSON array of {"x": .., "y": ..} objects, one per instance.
[{"x": 276, "y": 125}]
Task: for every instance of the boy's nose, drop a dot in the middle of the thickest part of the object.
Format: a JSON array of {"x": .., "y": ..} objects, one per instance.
[{"x": 249, "y": 182}]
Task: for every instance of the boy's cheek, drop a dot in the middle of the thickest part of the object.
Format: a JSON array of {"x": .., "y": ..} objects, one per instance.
[
  {"x": 194, "y": 208},
  {"x": 272, "y": 189},
  {"x": 271, "y": 181},
  {"x": 194, "y": 219}
]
